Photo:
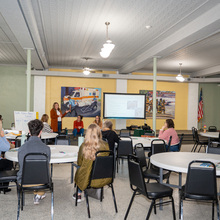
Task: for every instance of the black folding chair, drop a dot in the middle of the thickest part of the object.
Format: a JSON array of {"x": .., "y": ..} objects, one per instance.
[
  {"x": 36, "y": 173},
  {"x": 125, "y": 133},
  {"x": 169, "y": 143},
  {"x": 125, "y": 147},
  {"x": 181, "y": 140},
  {"x": 103, "y": 167},
  {"x": 7, "y": 176},
  {"x": 212, "y": 129},
  {"x": 197, "y": 141},
  {"x": 62, "y": 140},
  {"x": 200, "y": 185},
  {"x": 152, "y": 191},
  {"x": 148, "y": 172}
]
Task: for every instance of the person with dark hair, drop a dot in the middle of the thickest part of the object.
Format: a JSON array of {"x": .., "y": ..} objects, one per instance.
[
  {"x": 56, "y": 117},
  {"x": 109, "y": 134},
  {"x": 4, "y": 163},
  {"x": 33, "y": 145},
  {"x": 168, "y": 130},
  {"x": 78, "y": 126}
]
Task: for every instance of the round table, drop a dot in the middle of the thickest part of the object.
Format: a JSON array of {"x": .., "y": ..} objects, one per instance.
[
  {"x": 210, "y": 134},
  {"x": 146, "y": 141},
  {"x": 48, "y": 135},
  {"x": 59, "y": 154}
]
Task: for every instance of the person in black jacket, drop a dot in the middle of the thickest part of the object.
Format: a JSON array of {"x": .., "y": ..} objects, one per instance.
[{"x": 109, "y": 134}]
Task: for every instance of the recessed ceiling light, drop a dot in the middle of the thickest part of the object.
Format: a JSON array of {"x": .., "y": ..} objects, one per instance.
[{"x": 148, "y": 26}]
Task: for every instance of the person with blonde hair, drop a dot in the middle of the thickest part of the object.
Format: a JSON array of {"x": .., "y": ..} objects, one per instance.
[
  {"x": 46, "y": 128},
  {"x": 109, "y": 134},
  {"x": 93, "y": 142},
  {"x": 98, "y": 121}
]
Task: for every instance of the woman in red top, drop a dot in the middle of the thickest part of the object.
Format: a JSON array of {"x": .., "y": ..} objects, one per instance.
[
  {"x": 56, "y": 117},
  {"x": 78, "y": 126}
]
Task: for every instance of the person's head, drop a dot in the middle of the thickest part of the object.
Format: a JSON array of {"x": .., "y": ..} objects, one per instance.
[
  {"x": 35, "y": 127},
  {"x": 79, "y": 118},
  {"x": 97, "y": 119},
  {"x": 69, "y": 97},
  {"x": 1, "y": 118},
  {"x": 92, "y": 141},
  {"x": 44, "y": 118},
  {"x": 56, "y": 106},
  {"x": 170, "y": 123},
  {"x": 107, "y": 124}
]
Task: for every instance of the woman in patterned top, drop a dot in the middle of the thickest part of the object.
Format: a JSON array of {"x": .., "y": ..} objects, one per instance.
[{"x": 46, "y": 128}]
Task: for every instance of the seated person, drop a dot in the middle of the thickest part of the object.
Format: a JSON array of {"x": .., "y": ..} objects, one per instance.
[
  {"x": 78, "y": 126},
  {"x": 109, "y": 134},
  {"x": 4, "y": 163},
  {"x": 165, "y": 135},
  {"x": 93, "y": 142},
  {"x": 98, "y": 121},
  {"x": 46, "y": 128},
  {"x": 33, "y": 145}
]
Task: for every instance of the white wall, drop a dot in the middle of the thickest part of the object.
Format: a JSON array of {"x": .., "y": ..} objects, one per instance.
[
  {"x": 121, "y": 87},
  {"x": 192, "y": 105},
  {"x": 39, "y": 94}
]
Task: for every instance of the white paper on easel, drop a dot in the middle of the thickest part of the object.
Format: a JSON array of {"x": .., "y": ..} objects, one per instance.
[{"x": 80, "y": 141}]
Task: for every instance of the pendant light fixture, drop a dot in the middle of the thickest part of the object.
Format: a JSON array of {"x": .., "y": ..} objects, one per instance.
[
  {"x": 108, "y": 46},
  {"x": 86, "y": 70},
  {"x": 179, "y": 77}
]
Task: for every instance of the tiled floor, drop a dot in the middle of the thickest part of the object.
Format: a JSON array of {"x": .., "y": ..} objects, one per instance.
[{"x": 64, "y": 206}]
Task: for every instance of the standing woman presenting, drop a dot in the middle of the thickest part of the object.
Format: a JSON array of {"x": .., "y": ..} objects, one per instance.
[{"x": 56, "y": 117}]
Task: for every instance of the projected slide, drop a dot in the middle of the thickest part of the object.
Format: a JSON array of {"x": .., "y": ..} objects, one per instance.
[{"x": 126, "y": 106}]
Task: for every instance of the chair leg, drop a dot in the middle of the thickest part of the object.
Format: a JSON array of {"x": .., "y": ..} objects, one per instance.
[
  {"x": 101, "y": 194},
  {"x": 52, "y": 202},
  {"x": 113, "y": 195},
  {"x": 213, "y": 210},
  {"x": 132, "y": 198},
  {"x": 19, "y": 199},
  {"x": 155, "y": 210},
  {"x": 87, "y": 203},
  {"x": 173, "y": 208},
  {"x": 181, "y": 209},
  {"x": 150, "y": 209},
  {"x": 195, "y": 147},
  {"x": 76, "y": 196},
  {"x": 200, "y": 148},
  {"x": 22, "y": 200},
  {"x": 117, "y": 164},
  {"x": 217, "y": 209}
]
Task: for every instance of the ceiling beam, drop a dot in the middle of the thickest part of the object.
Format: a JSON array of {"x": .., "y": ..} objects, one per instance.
[
  {"x": 206, "y": 72},
  {"x": 122, "y": 76},
  {"x": 12, "y": 13},
  {"x": 200, "y": 28}
]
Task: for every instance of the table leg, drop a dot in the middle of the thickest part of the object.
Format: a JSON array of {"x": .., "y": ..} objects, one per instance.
[
  {"x": 51, "y": 171},
  {"x": 180, "y": 181},
  {"x": 161, "y": 182}
]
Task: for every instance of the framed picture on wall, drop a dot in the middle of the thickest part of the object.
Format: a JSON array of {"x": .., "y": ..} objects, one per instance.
[
  {"x": 81, "y": 101},
  {"x": 165, "y": 103}
]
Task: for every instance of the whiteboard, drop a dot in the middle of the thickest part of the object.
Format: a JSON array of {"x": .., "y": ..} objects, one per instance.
[{"x": 22, "y": 118}]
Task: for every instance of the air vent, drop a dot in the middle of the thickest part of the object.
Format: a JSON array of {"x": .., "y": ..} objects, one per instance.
[{"x": 105, "y": 75}]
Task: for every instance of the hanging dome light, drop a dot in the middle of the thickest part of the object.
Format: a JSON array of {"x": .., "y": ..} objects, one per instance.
[
  {"x": 108, "y": 46},
  {"x": 179, "y": 77}
]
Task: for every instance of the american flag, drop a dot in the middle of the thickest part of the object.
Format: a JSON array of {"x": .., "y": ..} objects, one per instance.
[{"x": 200, "y": 110}]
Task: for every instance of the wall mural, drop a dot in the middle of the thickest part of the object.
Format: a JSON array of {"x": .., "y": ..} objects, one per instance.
[
  {"x": 165, "y": 103},
  {"x": 81, "y": 101}
]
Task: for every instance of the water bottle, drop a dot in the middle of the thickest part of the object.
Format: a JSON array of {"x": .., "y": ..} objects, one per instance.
[
  {"x": 204, "y": 130},
  {"x": 23, "y": 138}
]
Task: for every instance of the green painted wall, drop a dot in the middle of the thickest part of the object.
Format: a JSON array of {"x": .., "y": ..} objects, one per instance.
[
  {"x": 211, "y": 104},
  {"x": 13, "y": 92}
]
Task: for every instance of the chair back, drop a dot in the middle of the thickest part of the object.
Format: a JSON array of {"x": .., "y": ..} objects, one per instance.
[
  {"x": 136, "y": 175},
  {"x": 213, "y": 150},
  {"x": 212, "y": 129},
  {"x": 65, "y": 140},
  {"x": 201, "y": 180},
  {"x": 124, "y": 133},
  {"x": 139, "y": 152},
  {"x": 181, "y": 140},
  {"x": 125, "y": 147},
  {"x": 35, "y": 169},
  {"x": 196, "y": 135},
  {"x": 169, "y": 143},
  {"x": 193, "y": 134},
  {"x": 158, "y": 146},
  {"x": 103, "y": 166}
]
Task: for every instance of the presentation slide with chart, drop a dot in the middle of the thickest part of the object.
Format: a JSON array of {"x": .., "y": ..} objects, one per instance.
[
  {"x": 124, "y": 106},
  {"x": 22, "y": 118}
]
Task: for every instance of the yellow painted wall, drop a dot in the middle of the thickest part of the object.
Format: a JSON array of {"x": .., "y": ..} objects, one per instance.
[
  {"x": 53, "y": 94},
  {"x": 181, "y": 89}
]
